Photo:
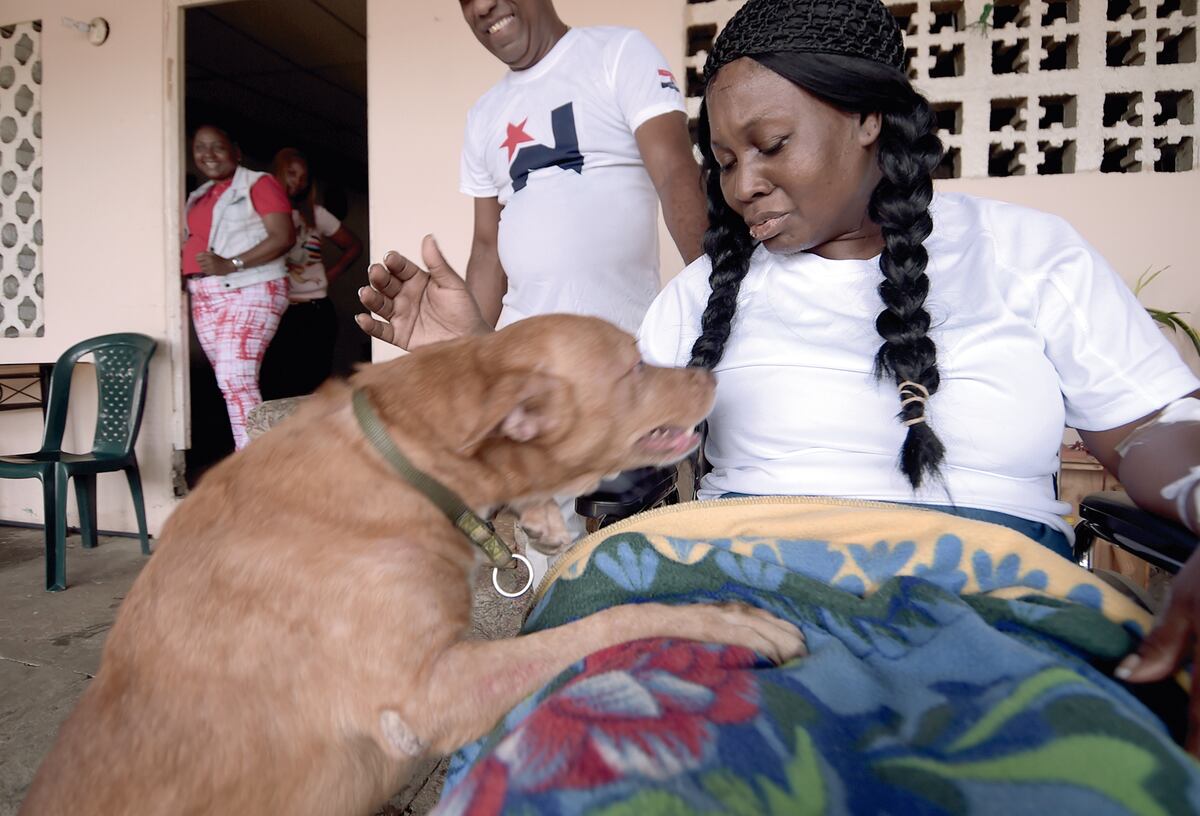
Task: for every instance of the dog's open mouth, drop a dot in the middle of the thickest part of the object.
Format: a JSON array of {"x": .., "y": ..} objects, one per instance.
[{"x": 669, "y": 441}]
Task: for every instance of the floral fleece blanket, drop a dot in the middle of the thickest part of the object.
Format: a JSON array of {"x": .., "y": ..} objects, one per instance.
[{"x": 954, "y": 667}]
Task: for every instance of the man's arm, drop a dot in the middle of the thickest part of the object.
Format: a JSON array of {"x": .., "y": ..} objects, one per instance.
[
  {"x": 486, "y": 280},
  {"x": 666, "y": 151}
]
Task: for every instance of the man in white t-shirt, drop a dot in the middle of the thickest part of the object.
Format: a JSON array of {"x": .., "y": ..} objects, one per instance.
[{"x": 567, "y": 158}]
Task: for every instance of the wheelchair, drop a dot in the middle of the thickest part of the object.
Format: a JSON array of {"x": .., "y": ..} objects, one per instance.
[{"x": 1110, "y": 516}]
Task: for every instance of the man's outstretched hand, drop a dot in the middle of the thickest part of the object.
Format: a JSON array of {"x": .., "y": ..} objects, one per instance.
[{"x": 418, "y": 307}]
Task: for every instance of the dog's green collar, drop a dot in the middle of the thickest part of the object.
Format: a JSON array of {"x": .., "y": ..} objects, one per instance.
[{"x": 466, "y": 520}]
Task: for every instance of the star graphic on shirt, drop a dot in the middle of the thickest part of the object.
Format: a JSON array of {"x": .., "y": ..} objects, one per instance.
[{"x": 516, "y": 136}]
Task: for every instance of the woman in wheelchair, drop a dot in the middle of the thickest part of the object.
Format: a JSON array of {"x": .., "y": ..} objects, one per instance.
[{"x": 873, "y": 339}]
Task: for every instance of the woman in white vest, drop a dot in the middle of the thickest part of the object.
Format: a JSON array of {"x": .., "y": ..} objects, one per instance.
[{"x": 238, "y": 230}]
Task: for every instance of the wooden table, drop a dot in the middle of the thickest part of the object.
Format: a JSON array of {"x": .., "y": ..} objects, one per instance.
[{"x": 25, "y": 385}]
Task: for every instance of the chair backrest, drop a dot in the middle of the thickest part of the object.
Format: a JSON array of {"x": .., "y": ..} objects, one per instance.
[{"x": 122, "y": 362}]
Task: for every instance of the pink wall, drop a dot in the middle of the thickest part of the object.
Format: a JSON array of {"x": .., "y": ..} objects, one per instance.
[{"x": 103, "y": 211}]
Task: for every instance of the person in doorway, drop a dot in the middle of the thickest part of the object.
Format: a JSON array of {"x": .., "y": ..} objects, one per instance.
[
  {"x": 300, "y": 357},
  {"x": 567, "y": 159},
  {"x": 238, "y": 229}
]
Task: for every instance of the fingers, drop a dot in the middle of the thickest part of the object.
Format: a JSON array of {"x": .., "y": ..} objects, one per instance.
[
  {"x": 401, "y": 267},
  {"x": 390, "y": 276},
  {"x": 374, "y": 327},
  {"x": 1162, "y": 650},
  {"x": 439, "y": 270},
  {"x": 371, "y": 298}
]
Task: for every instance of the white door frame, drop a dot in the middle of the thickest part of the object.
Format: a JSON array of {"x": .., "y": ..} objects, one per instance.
[{"x": 176, "y": 157}]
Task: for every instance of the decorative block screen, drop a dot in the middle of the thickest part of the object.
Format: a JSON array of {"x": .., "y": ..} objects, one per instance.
[
  {"x": 21, "y": 313},
  {"x": 1038, "y": 87}
]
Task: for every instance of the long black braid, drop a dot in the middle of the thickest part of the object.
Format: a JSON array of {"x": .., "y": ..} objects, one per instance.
[
  {"x": 908, "y": 152},
  {"x": 728, "y": 244}
]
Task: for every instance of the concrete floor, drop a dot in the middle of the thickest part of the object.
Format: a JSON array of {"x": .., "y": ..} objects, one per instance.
[{"x": 50, "y": 644}]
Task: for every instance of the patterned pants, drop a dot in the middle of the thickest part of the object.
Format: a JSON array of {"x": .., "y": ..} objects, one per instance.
[{"x": 235, "y": 326}]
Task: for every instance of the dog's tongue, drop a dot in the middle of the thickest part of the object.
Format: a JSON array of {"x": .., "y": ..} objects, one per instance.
[{"x": 668, "y": 440}]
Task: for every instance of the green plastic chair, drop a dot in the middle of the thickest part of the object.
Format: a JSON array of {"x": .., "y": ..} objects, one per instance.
[{"x": 122, "y": 362}]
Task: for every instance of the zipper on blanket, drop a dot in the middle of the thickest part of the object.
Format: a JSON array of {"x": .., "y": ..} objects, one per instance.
[{"x": 631, "y": 523}]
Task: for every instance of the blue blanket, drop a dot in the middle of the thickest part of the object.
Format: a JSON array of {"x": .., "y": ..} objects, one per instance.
[{"x": 954, "y": 667}]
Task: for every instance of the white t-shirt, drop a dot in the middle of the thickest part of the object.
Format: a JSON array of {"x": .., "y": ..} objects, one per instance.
[
  {"x": 306, "y": 268},
  {"x": 555, "y": 144},
  {"x": 1033, "y": 331}
]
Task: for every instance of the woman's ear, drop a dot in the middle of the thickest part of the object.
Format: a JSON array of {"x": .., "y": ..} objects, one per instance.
[{"x": 869, "y": 127}]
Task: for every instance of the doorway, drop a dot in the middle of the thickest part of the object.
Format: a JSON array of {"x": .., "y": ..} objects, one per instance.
[{"x": 276, "y": 74}]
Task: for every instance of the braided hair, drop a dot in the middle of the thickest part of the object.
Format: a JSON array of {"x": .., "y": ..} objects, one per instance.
[
  {"x": 728, "y": 244},
  {"x": 849, "y": 54}
]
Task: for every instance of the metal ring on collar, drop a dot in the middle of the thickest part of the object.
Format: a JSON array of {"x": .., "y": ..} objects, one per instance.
[{"x": 528, "y": 580}]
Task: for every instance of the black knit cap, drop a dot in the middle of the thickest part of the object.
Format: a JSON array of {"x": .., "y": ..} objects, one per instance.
[{"x": 851, "y": 28}]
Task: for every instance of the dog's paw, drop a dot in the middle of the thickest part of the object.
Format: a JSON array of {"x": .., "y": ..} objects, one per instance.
[
  {"x": 399, "y": 740},
  {"x": 744, "y": 625},
  {"x": 542, "y": 527}
]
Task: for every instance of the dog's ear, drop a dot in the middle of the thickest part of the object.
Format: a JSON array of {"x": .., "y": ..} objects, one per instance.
[
  {"x": 521, "y": 406},
  {"x": 523, "y": 424}
]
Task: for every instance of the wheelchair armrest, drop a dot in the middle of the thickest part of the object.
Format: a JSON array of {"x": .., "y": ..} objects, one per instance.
[
  {"x": 629, "y": 493},
  {"x": 1114, "y": 517}
]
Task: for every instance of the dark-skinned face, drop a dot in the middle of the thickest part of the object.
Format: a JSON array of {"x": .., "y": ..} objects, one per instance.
[
  {"x": 215, "y": 156},
  {"x": 797, "y": 170},
  {"x": 518, "y": 32}
]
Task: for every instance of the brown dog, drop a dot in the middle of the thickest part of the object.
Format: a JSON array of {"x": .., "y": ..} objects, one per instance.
[{"x": 297, "y": 641}]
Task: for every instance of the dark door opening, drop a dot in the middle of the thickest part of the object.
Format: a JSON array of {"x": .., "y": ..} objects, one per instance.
[{"x": 277, "y": 74}]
